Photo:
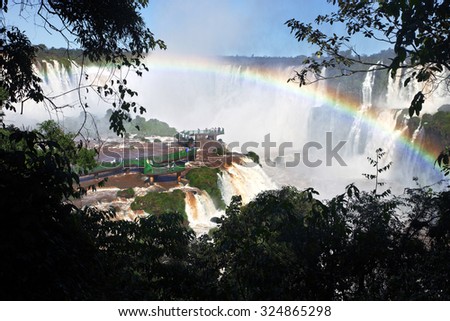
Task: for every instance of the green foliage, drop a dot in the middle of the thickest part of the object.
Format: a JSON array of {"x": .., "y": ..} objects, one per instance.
[
  {"x": 51, "y": 250},
  {"x": 107, "y": 32},
  {"x": 254, "y": 157},
  {"x": 205, "y": 178},
  {"x": 126, "y": 193},
  {"x": 438, "y": 125},
  {"x": 413, "y": 124},
  {"x": 278, "y": 246},
  {"x": 161, "y": 203},
  {"x": 3, "y": 95},
  {"x": 437, "y": 130},
  {"x": 151, "y": 127},
  {"x": 29, "y": 153},
  {"x": 379, "y": 168},
  {"x": 81, "y": 158},
  {"x": 220, "y": 151},
  {"x": 417, "y": 30},
  {"x": 286, "y": 245},
  {"x": 141, "y": 260},
  {"x": 17, "y": 78},
  {"x": 61, "y": 55},
  {"x": 44, "y": 253},
  {"x": 85, "y": 160},
  {"x": 443, "y": 160},
  {"x": 138, "y": 126}
]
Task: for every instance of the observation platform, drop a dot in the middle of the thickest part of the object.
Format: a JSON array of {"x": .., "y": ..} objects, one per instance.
[{"x": 202, "y": 134}]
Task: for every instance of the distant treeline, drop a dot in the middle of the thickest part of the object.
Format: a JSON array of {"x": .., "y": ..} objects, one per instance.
[
  {"x": 77, "y": 54},
  {"x": 139, "y": 126},
  {"x": 62, "y": 55},
  {"x": 351, "y": 84},
  {"x": 384, "y": 55},
  {"x": 152, "y": 127}
]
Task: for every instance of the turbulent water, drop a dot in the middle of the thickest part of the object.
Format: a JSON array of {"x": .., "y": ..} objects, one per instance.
[
  {"x": 246, "y": 179},
  {"x": 251, "y": 100},
  {"x": 200, "y": 209}
]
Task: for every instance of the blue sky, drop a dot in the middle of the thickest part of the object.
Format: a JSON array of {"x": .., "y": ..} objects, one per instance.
[
  {"x": 215, "y": 27},
  {"x": 242, "y": 27}
]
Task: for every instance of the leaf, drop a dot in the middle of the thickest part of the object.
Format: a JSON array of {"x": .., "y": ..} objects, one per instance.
[
  {"x": 416, "y": 104},
  {"x": 406, "y": 81}
]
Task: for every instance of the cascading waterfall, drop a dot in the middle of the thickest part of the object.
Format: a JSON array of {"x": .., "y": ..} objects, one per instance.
[
  {"x": 416, "y": 138},
  {"x": 417, "y": 131},
  {"x": 69, "y": 86},
  {"x": 246, "y": 179},
  {"x": 200, "y": 209},
  {"x": 355, "y": 131},
  {"x": 385, "y": 140},
  {"x": 250, "y": 99},
  {"x": 400, "y": 96}
]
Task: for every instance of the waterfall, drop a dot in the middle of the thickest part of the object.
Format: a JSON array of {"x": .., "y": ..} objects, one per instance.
[
  {"x": 199, "y": 206},
  {"x": 246, "y": 179},
  {"x": 355, "y": 131},
  {"x": 69, "y": 86},
  {"x": 200, "y": 209},
  {"x": 400, "y": 96},
  {"x": 417, "y": 139},
  {"x": 105, "y": 198},
  {"x": 385, "y": 139},
  {"x": 250, "y": 98},
  {"x": 417, "y": 131}
]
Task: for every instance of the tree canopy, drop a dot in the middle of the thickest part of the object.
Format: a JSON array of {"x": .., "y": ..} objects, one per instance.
[
  {"x": 106, "y": 31},
  {"x": 418, "y": 31},
  {"x": 285, "y": 244},
  {"x": 81, "y": 158},
  {"x": 50, "y": 249}
]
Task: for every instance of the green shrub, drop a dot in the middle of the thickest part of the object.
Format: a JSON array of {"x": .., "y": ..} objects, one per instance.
[
  {"x": 126, "y": 193},
  {"x": 205, "y": 178},
  {"x": 438, "y": 125},
  {"x": 220, "y": 151},
  {"x": 150, "y": 127},
  {"x": 3, "y": 94},
  {"x": 254, "y": 157},
  {"x": 160, "y": 203}
]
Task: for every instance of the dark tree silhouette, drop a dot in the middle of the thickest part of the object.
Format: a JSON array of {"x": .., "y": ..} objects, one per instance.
[
  {"x": 418, "y": 31},
  {"x": 111, "y": 32}
]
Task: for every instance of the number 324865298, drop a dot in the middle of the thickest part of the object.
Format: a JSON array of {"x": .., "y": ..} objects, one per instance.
[{"x": 295, "y": 311}]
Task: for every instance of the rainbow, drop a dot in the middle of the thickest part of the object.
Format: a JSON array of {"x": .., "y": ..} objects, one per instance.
[
  {"x": 343, "y": 104},
  {"x": 346, "y": 105}
]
